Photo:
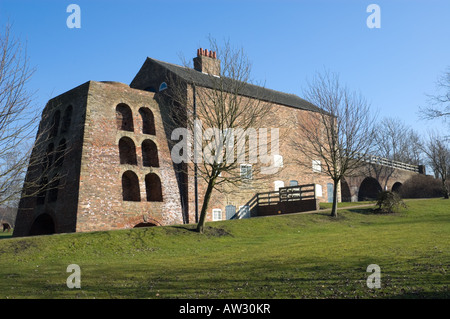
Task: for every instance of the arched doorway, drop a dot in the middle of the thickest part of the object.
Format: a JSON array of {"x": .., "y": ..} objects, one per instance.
[
  {"x": 369, "y": 189},
  {"x": 42, "y": 225},
  {"x": 396, "y": 187},
  {"x": 346, "y": 195}
]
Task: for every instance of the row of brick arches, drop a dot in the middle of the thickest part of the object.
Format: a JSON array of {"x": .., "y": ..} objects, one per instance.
[
  {"x": 128, "y": 155},
  {"x": 127, "y": 152},
  {"x": 131, "y": 189},
  {"x": 124, "y": 119}
]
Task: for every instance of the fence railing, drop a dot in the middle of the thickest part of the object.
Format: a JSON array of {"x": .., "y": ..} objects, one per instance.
[
  {"x": 291, "y": 193},
  {"x": 372, "y": 159}
]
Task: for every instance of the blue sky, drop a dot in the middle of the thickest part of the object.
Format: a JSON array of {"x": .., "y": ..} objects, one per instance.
[{"x": 287, "y": 42}]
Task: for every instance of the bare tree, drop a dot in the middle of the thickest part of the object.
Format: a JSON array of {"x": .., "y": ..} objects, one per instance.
[
  {"x": 18, "y": 125},
  {"x": 224, "y": 122},
  {"x": 439, "y": 103},
  {"x": 437, "y": 150},
  {"x": 341, "y": 135},
  {"x": 397, "y": 141}
]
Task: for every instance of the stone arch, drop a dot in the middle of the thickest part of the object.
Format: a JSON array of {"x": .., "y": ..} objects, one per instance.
[
  {"x": 124, "y": 118},
  {"x": 153, "y": 188},
  {"x": 42, "y": 225},
  {"x": 346, "y": 195},
  {"x": 148, "y": 121},
  {"x": 144, "y": 224},
  {"x": 130, "y": 187},
  {"x": 396, "y": 187},
  {"x": 369, "y": 189},
  {"x": 127, "y": 151}
]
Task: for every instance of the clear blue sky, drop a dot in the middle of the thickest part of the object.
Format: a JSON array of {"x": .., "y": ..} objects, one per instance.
[{"x": 287, "y": 42}]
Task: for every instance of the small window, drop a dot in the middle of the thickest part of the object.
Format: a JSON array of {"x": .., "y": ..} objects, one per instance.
[
  {"x": 316, "y": 166},
  {"x": 319, "y": 190},
  {"x": 217, "y": 214},
  {"x": 278, "y": 184},
  {"x": 163, "y": 86},
  {"x": 246, "y": 171},
  {"x": 293, "y": 183}
]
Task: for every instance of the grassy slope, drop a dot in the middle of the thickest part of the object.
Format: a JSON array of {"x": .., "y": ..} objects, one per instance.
[{"x": 292, "y": 256}]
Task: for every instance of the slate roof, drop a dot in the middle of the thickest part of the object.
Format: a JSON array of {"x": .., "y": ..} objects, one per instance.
[{"x": 198, "y": 78}]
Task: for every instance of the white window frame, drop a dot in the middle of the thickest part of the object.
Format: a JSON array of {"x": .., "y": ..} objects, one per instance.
[
  {"x": 316, "y": 166},
  {"x": 319, "y": 192},
  {"x": 216, "y": 212},
  {"x": 277, "y": 185}
]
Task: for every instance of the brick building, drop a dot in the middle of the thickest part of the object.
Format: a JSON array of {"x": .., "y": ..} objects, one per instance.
[{"x": 117, "y": 171}]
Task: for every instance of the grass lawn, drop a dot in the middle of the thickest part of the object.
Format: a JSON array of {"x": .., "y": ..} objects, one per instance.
[{"x": 290, "y": 256}]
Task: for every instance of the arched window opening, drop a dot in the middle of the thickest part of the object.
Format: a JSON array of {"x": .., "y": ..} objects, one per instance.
[
  {"x": 127, "y": 151},
  {"x": 67, "y": 119},
  {"x": 148, "y": 121},
  {"x": 163, "y": 86},
  {"x": 149, "y": 154},
  {"x": 59, "y": 155},
  {"x": 124, "y": 118},
  {"x": 53, "y": 189},
  {"x": 42, "y": 225},
  {"x": 130, "y": 187},
  {"x": 55, "y": 124},
  {"x": 153, "y": 188}
]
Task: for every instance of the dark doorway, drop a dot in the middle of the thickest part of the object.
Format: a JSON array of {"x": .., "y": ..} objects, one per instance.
[
  {"x": 42, "y": 225},
  {"x": 369, "y": 189},
  {"x": 346, "y": 195},
  {"x": 396, "y": 187}
]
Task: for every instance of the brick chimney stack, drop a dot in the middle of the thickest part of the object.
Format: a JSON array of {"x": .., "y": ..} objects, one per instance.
[{"x": 207, "y": 62}]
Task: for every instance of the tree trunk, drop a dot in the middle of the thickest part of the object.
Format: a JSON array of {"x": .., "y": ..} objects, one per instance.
[
  {"x": 202, "y": 220},
  {"x": 335, "y": 201},
  {"x": 445, "y": 189}
]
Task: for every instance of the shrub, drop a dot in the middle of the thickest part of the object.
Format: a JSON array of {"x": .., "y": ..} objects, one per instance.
[
  {"x": 421, "y": 186},
  {"x": 389, "y": 202}
]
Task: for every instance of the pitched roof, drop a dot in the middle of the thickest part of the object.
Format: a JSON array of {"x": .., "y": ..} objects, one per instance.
[{"x": 198, "y": 78}]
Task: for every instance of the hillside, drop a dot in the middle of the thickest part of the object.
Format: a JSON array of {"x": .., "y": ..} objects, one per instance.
[{"x": 291, "y": 256}]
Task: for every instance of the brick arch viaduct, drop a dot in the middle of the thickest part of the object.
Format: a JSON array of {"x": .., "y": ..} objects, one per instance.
[{"x": 376, "y": 175}]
